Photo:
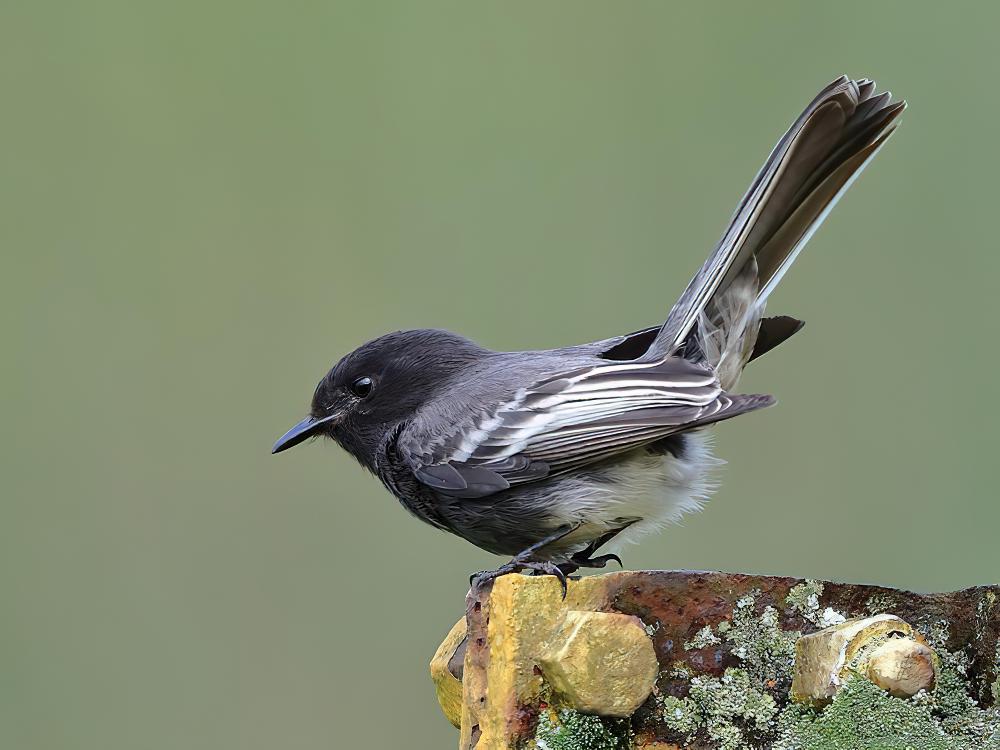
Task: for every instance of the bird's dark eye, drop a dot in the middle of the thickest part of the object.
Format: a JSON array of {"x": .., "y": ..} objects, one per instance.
[{"x": 362, "y": 386}]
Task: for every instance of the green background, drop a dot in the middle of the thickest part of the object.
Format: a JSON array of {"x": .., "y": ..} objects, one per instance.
[{"x": 204, "y": 204}]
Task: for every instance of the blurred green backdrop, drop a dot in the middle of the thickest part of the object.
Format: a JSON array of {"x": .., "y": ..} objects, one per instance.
[{"x": 206, "y": 203}]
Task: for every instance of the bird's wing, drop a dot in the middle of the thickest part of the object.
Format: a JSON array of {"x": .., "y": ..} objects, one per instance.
[{"x": 570, "y": 420}]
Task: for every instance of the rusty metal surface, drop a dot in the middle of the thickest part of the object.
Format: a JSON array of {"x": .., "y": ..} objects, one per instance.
[{"x": 675, "y": 605}]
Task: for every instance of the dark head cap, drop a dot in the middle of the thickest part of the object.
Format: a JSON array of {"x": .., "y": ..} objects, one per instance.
[{"x": 380, "y": 385}]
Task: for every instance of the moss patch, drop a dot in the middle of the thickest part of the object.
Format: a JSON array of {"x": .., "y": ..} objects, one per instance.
[
  {"x": 570, "y": 730},
  {"x": 862, "y": 717}
]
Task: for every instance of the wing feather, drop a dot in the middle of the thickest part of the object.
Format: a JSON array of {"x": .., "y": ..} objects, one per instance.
[{"x": 573, "y": 419}]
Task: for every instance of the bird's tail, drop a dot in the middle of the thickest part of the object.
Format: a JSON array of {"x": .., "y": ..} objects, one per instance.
[{"x": 720, "y": 312}]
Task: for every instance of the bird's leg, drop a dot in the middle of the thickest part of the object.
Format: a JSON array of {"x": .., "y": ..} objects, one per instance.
[
  {"x": 583, "y": 559},
  {"x": 522, "y": 561}
]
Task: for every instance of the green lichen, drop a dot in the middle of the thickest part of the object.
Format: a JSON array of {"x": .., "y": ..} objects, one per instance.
[
  {"x": 718, "y": 704},
  {"x": 725, "y": 702},
  {"x": 984, "y": 611},
  {"x": 959, "y": 714},
  {"x": 950, "y": 696},
  {"x": 881, "y": 603},
  {"x": 732, "y": 697},
  {"x": 725, "y": 735},
  {"x": 950, "y": 691},
  {"x": 736, "y": 709},
  {"x": 703, "y": 639},
  {"x": 995, "y": 686},
  {"x": 937, "y": 633},
  {"x": 681, "y": 671},
  {"x": 767, "y": 651},
  {"x": 570, "y": 730},
  {"x": 804, "y": 600},
  {"x": 682, "y": 715}
]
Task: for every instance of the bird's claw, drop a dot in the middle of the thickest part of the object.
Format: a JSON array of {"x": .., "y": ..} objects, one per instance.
[
  {"x": 601, "y": 561},
  {"x": 543, "y": 567},
  {"x": 580, "y": 560}
]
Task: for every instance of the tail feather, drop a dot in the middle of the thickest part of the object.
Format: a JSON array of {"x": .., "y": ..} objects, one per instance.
[
  {"x": 781, "y": 250},
  {"x": 810, "y": 168}
]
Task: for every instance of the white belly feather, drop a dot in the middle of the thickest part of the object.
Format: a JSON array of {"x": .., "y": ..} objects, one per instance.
[{"x": 658, "y": 489}]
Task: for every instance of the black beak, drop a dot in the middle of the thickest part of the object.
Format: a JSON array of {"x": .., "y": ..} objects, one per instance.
[{"x": 302, "y": 431}]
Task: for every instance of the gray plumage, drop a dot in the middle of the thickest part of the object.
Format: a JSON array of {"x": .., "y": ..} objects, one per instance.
[{"x": 574, "y": 446}]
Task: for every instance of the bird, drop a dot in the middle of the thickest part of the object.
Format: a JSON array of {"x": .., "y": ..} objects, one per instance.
[{"x": 548, "y": 456}]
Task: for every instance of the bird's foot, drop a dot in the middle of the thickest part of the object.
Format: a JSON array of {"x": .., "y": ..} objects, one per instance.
[
  {"x": 584, "y": 559},
  {"x": 522, "y": 561},
  {"x": 601, "y": 561},
  {"x": 581, "y": 560},
  {"x": 536, "y": 567}
]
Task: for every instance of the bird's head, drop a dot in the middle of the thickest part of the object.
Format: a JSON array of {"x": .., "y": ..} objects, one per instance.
[{"x": 380, "y": 385}]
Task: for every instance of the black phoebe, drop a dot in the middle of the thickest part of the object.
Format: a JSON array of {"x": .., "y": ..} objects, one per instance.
[{"x": 548, "y": 455}]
